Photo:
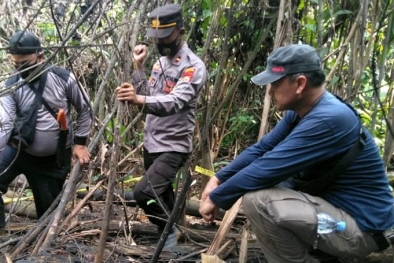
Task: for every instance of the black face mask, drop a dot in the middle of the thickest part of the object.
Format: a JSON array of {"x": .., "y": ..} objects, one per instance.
[
  {"x": 25, "y": 73},
  {"x": 169, "y": 49}
]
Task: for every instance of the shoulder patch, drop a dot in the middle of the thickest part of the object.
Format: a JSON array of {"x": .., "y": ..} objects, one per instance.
[{"x": 187, "y": 75}]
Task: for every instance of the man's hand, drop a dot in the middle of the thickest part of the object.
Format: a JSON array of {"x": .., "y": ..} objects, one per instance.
[
  {"x": 208, "y": 209},
  {"x": 140, "y": 53},
  {"x": 126, "y": 92},
  {"x": 211, "y": 185},
  {"x": 81, "y": 154}
]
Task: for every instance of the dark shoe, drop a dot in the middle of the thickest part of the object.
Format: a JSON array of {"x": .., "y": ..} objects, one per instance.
[{"x": 173, "y": 237}]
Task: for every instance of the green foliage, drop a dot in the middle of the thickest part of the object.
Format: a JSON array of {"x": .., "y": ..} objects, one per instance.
[
  {"x": 248, "y": 21},
  {"x": 242, "y": 125},
  {"x": 364, "y": 103},
  {"x": 48, "y": 30},
  {"x": 110, "y": 129}
]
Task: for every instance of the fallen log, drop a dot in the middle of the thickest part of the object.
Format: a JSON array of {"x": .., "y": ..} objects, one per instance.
[
  {"x": 191, "y": 208},
  {"x": 143, "y": 229},
  {"x": 27, "y": 208},
  {"x": 22, "y": 208},
  {"x": 146, "y": 252}
]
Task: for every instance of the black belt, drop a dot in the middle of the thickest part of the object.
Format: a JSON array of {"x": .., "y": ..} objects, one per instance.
[{"x": 381, "y": 240}]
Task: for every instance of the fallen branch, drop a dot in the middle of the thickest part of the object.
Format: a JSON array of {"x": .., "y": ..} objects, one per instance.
[
  {"x": 9, "y": 242},
  {"x": 79, "y": 206},
  {"x": 58, "y": 213},
  {"x": 211, "y": 255},
  {"x": 226, "y": 249},
  {"x": 32, "y": 234},
  {"x": 224, "y": 227},
  {"x": 27, "y": 208},
  {"x": 243, "y": 251},
  {"x": 125, "y": 59}
]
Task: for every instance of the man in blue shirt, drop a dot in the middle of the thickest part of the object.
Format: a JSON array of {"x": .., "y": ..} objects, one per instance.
[{"x": 317, "y": 130}]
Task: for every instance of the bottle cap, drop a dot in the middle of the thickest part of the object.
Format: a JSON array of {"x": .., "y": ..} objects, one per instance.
[{"x": 341, "y": 226}]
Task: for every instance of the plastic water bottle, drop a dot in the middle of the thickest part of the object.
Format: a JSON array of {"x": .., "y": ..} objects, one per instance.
[{"x": 327, "y": 224}]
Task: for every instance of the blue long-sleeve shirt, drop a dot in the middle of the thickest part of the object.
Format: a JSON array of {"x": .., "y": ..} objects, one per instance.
[{"x": 326, "y": 132}]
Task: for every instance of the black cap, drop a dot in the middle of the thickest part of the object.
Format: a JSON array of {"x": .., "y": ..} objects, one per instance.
[
  {"x": 291, "y": 59},
  {"x": 164, "y": 19},
  {"x": 24, "y": 43}
]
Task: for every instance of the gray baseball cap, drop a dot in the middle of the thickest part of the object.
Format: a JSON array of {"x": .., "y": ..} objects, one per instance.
[
  {"x": 23, "y": 43},
  {"x": 290, "y": 59},
  {"x": 164, "y": 19}
]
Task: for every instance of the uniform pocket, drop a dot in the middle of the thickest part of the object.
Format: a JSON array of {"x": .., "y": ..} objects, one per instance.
[
  {"x": 294, "y": 211},
  {"x": 286, "y": 205}
]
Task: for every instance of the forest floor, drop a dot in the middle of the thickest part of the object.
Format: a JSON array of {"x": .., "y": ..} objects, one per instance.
[
  {"x": 134, "y": 239},
  {"x": 78, "y": 242}
]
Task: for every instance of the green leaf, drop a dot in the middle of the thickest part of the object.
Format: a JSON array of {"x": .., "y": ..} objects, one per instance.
[
  {"x": 74, "y": 43},
  {"x": 243, "y": 119},
  {"x": 206, "y": 13},
  {"x": 333, "y": 81},
  {"x": 342, "y": 12},
  {"x": 310, "y": 27}
]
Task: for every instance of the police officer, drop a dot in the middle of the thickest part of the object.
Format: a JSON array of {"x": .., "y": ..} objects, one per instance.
[
  {"x": 169, "y": 97},
  {"x": 38, "y": 161}
]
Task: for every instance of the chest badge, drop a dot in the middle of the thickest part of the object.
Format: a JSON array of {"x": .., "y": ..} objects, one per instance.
[{"x": 177, "y": 60}]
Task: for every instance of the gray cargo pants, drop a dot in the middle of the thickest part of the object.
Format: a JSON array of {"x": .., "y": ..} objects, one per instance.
[{"x": 285, "y": 223}]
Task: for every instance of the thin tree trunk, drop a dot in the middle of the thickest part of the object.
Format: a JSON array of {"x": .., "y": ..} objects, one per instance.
[
  {"x": 280, "y": 33},
  {"x": 343, "y": 48},
  {"x": 208, "y": 154},
  {"x": 126, "y": 60}
]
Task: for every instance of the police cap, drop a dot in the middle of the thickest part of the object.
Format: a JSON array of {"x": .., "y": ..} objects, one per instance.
[{"x": 164, "y": 19}]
